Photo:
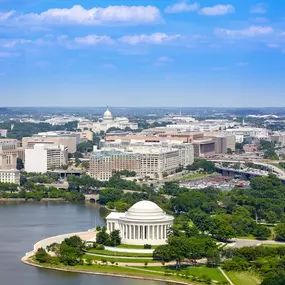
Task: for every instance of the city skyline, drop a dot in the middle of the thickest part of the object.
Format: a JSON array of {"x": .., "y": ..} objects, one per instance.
[{"x": 151, "y": 53}]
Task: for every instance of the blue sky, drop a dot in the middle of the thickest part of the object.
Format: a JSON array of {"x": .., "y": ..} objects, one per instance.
[{"x": 142, "y": 53}]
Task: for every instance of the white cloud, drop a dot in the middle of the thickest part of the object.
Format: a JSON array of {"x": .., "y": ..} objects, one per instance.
[
  {"x": 259, "y": 8},
  {"x": 156, "y": 38},
  {"x": 165, "y": 59},
  {"x": 93, "y": 40},
  {"x": 181, "y": 7},
  {"x": 95, "y": 16},
  {"x": 252, "y": 31},
  {"x": 13, "y": 42},
  {"x": 6, "y": 15},
  {"x": 217, "y": 10}
]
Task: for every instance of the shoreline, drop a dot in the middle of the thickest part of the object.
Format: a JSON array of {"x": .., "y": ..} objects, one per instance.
[
  {"x": 33, "y": 200},
  {"x": 26, "y": 260}
]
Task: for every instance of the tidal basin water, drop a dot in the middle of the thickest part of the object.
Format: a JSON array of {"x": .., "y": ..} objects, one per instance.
[{"x": 23, "y": 224}]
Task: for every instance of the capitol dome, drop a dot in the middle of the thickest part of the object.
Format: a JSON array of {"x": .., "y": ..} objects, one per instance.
[{"x": 108, "y": 115}]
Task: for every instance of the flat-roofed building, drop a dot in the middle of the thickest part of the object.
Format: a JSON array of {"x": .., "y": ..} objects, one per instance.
[
  {"x": 278, "y": 138},
  {"x": 145, "y": 161},
  {"x": 204, "y": 148},
  {"x": 156, "y": 163},
  {"x": 52, "y": 138},
  {"x": 43, "y": 157},
  {"x": 103, "y": 164},
  {"x": 223, "y": 143},
  {"x": 10, "y": 176},
  {"x": 186, "y": 149}
]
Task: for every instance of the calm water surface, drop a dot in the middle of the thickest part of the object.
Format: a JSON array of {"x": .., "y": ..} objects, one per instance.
[{"x": 23, "y": 224}]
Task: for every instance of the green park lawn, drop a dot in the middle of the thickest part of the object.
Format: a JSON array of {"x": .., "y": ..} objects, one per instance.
[
  {"x": 248, "y": 237},
  {"x": 114, "y": 259},
  {"x": 115, "y": 253},
  {"x": 274, "y": 245},
  {"x": 193, "y": 176},
  {"x": 243, "y": 278},
  {"x": 133, "y": 246},
  {"x": 123, "y": 271},
  {"x": 213, "y": 273}
]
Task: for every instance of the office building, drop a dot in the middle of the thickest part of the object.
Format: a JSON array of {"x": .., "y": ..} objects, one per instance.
[
  {"x": 278, "y": 138},
  {"x": 10, "y": 176},
  {"x": 103, "y": 164},
  {"x": 43, "y": 157},
  {"x": 223, "y": 143},
  {"x": 204, "y": 148},
  {"x": 149, "y": 162},
  {"x": 136, "y": 142},
  {"x": 70, "y": 140},
  {"x": 8, "y": 153}
]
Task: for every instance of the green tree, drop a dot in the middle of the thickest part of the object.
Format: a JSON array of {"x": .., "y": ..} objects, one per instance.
[
  {"x": 75, "y": 242},
  {"x": 221, "y": 228},
  {"x": 213, "y": 258},
  {"x": 54, "y": 248},
  {"x": 274, "y": 279},
  {"x": 69, "y": 255},
  {"x": 20, "y": 164},
  {"x": 280, "y": 232},
  {"x": 261, "y": 232},
  {"x": 42, "y": 256},
  {"x": 271, "y": 217},
  {"x": 103, "y": 237},
  {"x": 110, "y": 195},
  {"x": 115, "y": 238}
]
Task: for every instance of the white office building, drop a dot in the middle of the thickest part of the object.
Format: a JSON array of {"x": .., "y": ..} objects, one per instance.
[
  {"x": 43, "y": 157},
  {"x": 185, "y": 150},
  {"x": 144, "y": 223},
  {"x": 10, "y": 176}
]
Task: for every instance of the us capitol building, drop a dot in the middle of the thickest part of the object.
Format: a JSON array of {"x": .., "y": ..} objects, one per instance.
[
  {"x": 107, "y": 122},
  {"x": 144, "y": 223}
]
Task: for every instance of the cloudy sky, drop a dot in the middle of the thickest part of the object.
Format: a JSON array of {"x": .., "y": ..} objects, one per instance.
[{"x": 142, "y": 53}]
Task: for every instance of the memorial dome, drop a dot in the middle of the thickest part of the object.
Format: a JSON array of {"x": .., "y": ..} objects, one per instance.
[{"x": 146, "y": 211}]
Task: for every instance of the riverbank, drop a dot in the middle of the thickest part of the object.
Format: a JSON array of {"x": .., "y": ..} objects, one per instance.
[
  {"x": 33, "y": 200},
  {"x": 108, "y": 270},
  {"x": 124, "y": 267}
]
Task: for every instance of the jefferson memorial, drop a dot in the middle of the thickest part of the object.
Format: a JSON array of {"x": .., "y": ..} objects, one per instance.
[{"x": 144, "y": 223}]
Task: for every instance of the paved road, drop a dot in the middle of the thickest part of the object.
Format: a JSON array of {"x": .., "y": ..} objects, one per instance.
[{"x": 238, "y": 243}]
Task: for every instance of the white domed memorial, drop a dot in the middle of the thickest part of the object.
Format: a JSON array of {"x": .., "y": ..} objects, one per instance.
[{"x": 144, "y": 223}]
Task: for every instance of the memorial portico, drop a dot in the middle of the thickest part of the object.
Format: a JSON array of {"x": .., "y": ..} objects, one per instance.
[{"x": 144, "y": 223}]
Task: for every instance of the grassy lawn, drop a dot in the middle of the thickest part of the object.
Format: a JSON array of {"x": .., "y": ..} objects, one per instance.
[
  {"x": 134, "y": 246},
  {"x": 242, "y": 278},
  {"x": 114, "y": 259},
  {"x": 193, "y": 176},
  {"x": 213, "y": 273},
  {"x": 273, "y": 245},
  {"x": 113, "y": 253},
  {"x": 272, "y": 232},
  {"x": 125, "y": 271},
  {"x": 248, "y": 237}
]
